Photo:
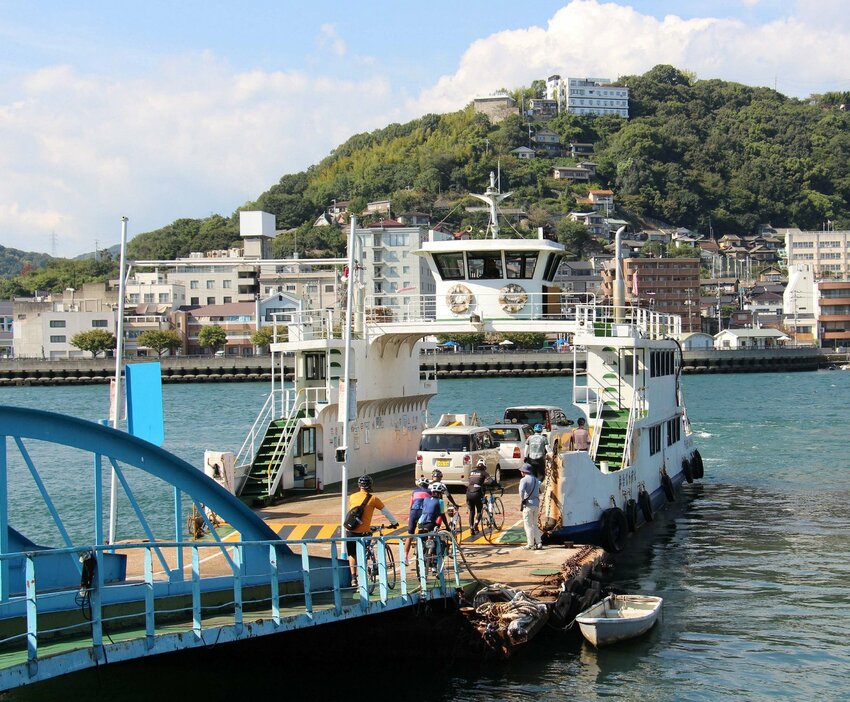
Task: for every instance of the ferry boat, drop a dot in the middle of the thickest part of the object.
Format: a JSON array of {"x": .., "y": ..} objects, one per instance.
[{"x": 641, "y": 447}]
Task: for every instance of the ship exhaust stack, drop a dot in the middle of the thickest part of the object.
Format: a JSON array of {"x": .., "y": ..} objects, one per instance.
[{"x": 619, "y": 282}]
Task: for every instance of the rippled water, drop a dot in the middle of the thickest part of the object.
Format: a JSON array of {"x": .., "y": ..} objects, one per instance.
[{"x": 752, "y": 565}]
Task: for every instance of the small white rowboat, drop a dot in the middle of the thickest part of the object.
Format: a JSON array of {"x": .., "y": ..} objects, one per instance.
[{"x": 619, "y": 617}]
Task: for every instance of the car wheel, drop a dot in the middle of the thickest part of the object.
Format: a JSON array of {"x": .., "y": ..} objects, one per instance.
[{"x": 497, "y": 474}]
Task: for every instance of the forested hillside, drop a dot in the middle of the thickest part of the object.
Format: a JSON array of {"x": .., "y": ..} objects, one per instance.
[{"x": 14, "y": 262}]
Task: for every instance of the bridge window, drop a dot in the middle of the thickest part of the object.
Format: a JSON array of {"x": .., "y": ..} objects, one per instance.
[
  {"x": 520, "y": 264},
  {"x": 484, "y": 265},
  {"x": 674, "y": 431},
  {"x": 450, "y": 265},
  {"x": 552, "y": 264},
  {"x": 314, "y": 366}
]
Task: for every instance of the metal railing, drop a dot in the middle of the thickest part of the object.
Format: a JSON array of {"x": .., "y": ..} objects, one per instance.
[
  {"x": 299, "y": 588},
  {"x": 257, "y": 432}
]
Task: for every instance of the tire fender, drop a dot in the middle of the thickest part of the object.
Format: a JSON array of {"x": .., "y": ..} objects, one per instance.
[
  {"x": 645, "y": 504},
  {"x": 667, "y": 486},
  {"x": 613, "y": 530},
  {"x": 696, "y": 463},
  {"x": 631, "y": 514},
  {"x": 687, "y": 470}
]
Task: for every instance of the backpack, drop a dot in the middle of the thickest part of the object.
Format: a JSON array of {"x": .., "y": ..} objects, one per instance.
[{"x": 354, "y": 516}]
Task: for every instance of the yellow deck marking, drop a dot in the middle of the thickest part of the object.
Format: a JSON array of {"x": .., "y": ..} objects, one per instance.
[
  {"x": 327, "y": 531},
  {"x": 298, "y": 531}
]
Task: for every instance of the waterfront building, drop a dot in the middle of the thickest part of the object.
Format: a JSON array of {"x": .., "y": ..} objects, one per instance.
[
  {"x": 798, "y": 304},
  {"x": 6, "y": 319},
  {"x": 833, "y": 313},
  {"x": 827, "y": 252},
  {"x": 750, "y": 339}
]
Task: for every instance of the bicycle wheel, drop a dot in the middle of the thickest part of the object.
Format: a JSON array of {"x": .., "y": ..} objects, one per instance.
[
  {"x": 371, "y": 570},
  {"x": 392, "y": 575},
  {"x": 457, "y": 527},
  {"x": 488, "y": 524},
  {"x": 498, "y": 513}
]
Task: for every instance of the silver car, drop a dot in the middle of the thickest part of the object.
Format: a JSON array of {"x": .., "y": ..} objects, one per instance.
[{"x": 511, "y": 438}]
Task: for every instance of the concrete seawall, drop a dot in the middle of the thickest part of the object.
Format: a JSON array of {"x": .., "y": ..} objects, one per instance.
[{"x": 448, "y": 365}]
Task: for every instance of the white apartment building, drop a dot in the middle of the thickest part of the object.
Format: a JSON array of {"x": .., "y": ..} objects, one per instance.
[
  {"x": 827, "y": 252},
  {"x": 596, "y": 96},
  {"x": 44, "y": 328}
]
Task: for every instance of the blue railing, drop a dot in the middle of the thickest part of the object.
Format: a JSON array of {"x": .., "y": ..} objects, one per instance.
[{"x": 154, "y": 612}]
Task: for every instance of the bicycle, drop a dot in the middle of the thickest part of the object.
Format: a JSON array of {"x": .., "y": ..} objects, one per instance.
[
  {"x": 455, "y": 525},
  {"x": 372, "y": 566},
  {"x": 493, "y": 515}
]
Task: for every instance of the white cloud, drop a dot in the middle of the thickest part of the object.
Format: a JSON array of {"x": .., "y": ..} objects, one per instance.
[
  {"x": 591, "y": 38},
  {"x": 329, "y": 38}
]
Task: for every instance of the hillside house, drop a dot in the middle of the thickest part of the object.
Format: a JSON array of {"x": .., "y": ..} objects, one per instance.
[{"x": 569, "y": 173}]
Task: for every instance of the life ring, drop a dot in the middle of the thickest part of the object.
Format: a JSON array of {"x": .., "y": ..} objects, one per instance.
[
  {"x": 631, "y": 514},
  {"x": 459, "y": 298},
  {"x": 613, "y": 530},
  {"x": 667, "y": 485},
  {"x": 645, "y": 503},
  {"x": 687, "y": 470},
  {"x": 512, "y": 298},
  {"x": 696, "y": 462}
]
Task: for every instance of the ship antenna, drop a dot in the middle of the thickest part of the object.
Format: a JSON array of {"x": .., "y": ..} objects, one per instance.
[{"x": 491, "y": 198}]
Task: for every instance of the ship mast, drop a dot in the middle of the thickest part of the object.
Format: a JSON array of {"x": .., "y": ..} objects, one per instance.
[{"x": 491, "y": 198}]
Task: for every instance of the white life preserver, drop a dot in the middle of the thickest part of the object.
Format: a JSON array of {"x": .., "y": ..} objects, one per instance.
[
  {"x": 512, "y": 298},
  {"x": 459, "y": 298}
]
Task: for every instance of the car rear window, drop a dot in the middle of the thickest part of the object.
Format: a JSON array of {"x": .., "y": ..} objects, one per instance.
[
  {"x": 444, "y": 442},
  {"x": 531, "y": 417},
  {"x": 501, "y": 434}
]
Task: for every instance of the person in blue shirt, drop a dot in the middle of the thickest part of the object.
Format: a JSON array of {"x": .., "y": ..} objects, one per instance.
[
  {"x": 433, "y": 509},
  {"x": 417, "y": 498},
  {"x": 529, "y": 500}
]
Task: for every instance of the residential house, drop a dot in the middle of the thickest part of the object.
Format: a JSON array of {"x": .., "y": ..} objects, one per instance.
[
  {"x": 750, "y": 339},
  {"x": 578, "y": 150},
  {"x": 696, "y": 341},
  {"x": 577, "y": 277},
  {"x": 524, "y": 152},
  {"x": 592, "y": 220},
  {"x": 569, "y": 173},
  {"x": 548, "y": 141},
  {"x": 540, "y": 109}
]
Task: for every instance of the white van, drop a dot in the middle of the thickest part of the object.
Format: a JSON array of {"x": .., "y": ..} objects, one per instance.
[{"x": 454, "y": 446}]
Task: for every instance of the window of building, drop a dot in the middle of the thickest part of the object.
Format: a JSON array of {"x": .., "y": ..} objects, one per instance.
[
  {"x": 193, "y": 284},
  {"x": 134, "y": 298},
  {"x": 57, "y": 339},
  {"x": 57, "y": 323},
  {"x": 227, "y": 299},
  {"x": 224, "y": 283},
  {"x": 210, "y": 284},
  {"x": 148, "y": 297},
  {"x": 290, "y": 287},
  {"x": 329, "y": 288},
  {"x": 314, "y": 366},
  {"x": 194, "y": 301},
  {"x": 211, "y": 300},
  {"x": 163, "y": 298},
  {"x": 100, "y": 323}
]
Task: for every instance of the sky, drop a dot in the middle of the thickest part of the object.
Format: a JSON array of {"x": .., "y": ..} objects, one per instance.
[{"x": 163, "y": 110}]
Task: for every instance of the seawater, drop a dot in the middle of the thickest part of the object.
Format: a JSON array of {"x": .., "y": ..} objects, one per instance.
[{"x": 751, "y": 562}]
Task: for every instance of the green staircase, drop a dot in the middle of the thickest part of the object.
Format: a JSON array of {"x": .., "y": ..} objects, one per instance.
[
  {"x": 612, "y": 437},
  {"x": 267, "y": 461}
]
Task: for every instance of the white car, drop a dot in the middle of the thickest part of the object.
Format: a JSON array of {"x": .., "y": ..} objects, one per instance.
[
  {"x": 553, "y": 420},
  {"x": 511, "y": 438},
  {"x": 455, "y": 450}
]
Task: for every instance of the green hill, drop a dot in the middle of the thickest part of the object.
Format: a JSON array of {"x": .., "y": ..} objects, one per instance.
[{"x": 695, "y": 153}]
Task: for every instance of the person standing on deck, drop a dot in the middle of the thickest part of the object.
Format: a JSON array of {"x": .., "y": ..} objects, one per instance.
[
  {"x": 529, "y": 500},
  {"x": 536, "y": 449},
  {"x": 370, "y": 503},
  {"x": 580, "y": 439}
]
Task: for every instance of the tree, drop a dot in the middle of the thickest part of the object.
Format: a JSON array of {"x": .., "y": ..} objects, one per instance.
[
  {"x": 574, "y": 236},
  {"x": 465, "y": 340},
  {"x": 160, "y": 340},
  {"x": 96, "y": 341},
  {"x": 526, "y": 340},
  {"x": 264, "y": 336},
  {"x": 212, "y": 337}
]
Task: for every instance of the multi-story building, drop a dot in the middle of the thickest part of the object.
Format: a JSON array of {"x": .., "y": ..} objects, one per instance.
[
  {"x": 667, "y": 285},
  {"x": 6, "y": 318},
  {"x": 833, "y": 312},
  {"x": 43, "y": 328},
  {"x": 827, "y": 252},
  {"x": 798, "y": 304},
  {"x": 596, "y": 96}
]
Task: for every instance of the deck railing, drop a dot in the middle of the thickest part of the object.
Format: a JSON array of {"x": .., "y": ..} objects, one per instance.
[{"x": 152, "y": 613}]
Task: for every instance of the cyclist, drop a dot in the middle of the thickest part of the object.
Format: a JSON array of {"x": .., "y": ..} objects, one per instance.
[
  {"x": 478, "y": 476},
  {"x": 417, "y": 498},
  {"x": 370, "y": 503},
  {"x": 433, "y": 508},
  {"x": 536, "y": 449},
  {"x": 437, "y": 476}
]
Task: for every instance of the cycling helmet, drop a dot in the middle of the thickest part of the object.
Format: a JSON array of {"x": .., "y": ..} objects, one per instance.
[
  {"x": 422, "y": 482},
  {"x": 538, "y": 428},
  {"x": 365, "y": 482},
  {"x": 482, "y": 463},
  {"x": 436, "y": 474},
  {"x": 438, "y": 487}
]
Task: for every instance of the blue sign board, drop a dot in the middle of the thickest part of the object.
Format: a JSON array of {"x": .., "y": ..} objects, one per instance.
[{"x": 144, "y": 401}]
